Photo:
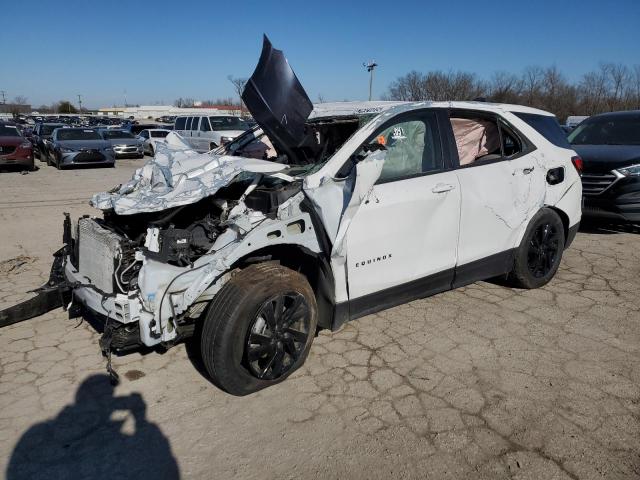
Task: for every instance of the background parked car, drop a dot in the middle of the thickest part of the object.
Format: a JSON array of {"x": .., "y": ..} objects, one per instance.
[
  {"x": 609, "y": 145},
  {"x": 136, "y": 128},
  {"x": 205, "y": 133},
  {"x": 166, "y": 119},
  {"x": 14, "y": 148},
  {"x": 151, "y": 137},
  {"x": 79, "y": 146},
  {"x": 42, "y": 137},
  {"x": 124, "y": 143}
]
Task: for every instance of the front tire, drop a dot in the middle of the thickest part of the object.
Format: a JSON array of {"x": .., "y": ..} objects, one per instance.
[
  {"x": 259, "y": 328},
  {"x": 538, "y": 257}
]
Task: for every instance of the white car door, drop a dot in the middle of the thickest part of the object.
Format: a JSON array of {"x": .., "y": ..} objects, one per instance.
[
  {"x": 402, "y": 241},
  {"x": 496, "y": 195},
  {"x": 204, "y": 135},
  {"x": 194, "y": 133}
]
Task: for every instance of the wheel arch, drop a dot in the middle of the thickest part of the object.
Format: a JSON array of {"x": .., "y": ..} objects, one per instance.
[
  {"x": 565, "y": 220},
  {"x": 310, "y": 264}
]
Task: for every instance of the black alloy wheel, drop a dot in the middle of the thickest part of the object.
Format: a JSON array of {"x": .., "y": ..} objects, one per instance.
[
  {"x": 277, "y": 336},
  {"x": 544, "y": 247}
]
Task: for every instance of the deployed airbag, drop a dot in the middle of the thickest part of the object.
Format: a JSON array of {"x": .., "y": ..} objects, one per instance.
[{"x": 475, "y": 138}]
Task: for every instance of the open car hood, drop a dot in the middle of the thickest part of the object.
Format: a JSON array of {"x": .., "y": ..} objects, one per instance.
[
  {"x": 177, "y": 176},
  {"x": 277, "y": 101}
]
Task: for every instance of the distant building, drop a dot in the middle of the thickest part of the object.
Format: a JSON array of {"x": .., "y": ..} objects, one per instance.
[
  {"x": 15, "y": 108},
  {"x": 144, "y": 112}
]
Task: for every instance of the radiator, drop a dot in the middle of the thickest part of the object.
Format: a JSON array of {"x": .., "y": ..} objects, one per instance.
[{"x": 98, "y": 252}]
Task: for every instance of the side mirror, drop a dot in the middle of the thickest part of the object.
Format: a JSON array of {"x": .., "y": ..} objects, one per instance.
[{"x": 375, "y": 146}]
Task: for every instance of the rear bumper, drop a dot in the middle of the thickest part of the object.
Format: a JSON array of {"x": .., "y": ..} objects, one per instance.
[{"x": 571, "y": 235}]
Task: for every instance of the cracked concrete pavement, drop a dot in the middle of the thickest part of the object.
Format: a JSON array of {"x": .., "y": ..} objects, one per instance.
[{"x": 481, "y": 382}]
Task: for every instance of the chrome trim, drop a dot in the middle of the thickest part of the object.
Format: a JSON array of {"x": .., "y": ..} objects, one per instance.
[{"x": 615, "y": 173}]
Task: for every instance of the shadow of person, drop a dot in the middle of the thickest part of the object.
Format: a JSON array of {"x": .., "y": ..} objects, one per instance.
[{"x": 99, "y": 436}]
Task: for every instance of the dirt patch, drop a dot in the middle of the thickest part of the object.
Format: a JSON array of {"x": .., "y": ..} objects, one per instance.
[
  {"x": 15, "y": 265},
  {"x": 133, "y": 375}
]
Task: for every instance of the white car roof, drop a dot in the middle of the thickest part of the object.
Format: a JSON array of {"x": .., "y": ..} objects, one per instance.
[
  {"x": 350, "y": 109},
  {"x": 339, "y": 109}
]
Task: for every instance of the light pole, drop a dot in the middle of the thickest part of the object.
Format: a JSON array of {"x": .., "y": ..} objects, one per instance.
[
  {"x": 80, "y": 102},
  {"x": 370, "y": 66}
]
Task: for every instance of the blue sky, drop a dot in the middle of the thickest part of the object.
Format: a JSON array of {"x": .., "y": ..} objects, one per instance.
[{"x": 161, "y": 50}]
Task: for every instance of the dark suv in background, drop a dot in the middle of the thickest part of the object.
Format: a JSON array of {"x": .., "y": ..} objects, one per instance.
[
  {"x": 42, "y": 138},
  {"x": 609, "y": 145}
]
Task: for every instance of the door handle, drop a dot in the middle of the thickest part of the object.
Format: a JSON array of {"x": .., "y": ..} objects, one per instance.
[
  {"x": 442, "y": 188},
  {"x": 528, "y": 170}
]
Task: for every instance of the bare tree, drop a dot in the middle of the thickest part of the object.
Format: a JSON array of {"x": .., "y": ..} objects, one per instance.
[
  {"x": 229, "y": 102},
  {"x": 184, "y": 102},
  {"x": 238, "y": 85},
  {"x": 610, "y": 87}
]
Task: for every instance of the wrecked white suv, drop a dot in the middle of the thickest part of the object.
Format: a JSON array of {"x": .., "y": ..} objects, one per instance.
[{"x": 352, "y": 208}]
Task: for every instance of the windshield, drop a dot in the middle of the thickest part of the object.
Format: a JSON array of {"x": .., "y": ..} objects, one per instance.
[
  {"x": 48, "y": 129},
  {"x": 77, "y": 134},
  {"x": 7, "y": 131},
  {"x": 110, "y": 134},
  {"x": 159, "y": 133},
  {"x": 607, "y": 131},
  {"x": 227, "y": 123}
]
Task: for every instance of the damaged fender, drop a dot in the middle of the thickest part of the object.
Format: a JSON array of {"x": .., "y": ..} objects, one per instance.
[
  {"x": 337, "y": 202},
  {"x": 167, "y": 291}
]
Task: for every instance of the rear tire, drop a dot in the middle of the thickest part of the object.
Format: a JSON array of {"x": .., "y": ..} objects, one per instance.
[
  {"x": 259, "y": 328},
  {"x": 538, "y": 257}
]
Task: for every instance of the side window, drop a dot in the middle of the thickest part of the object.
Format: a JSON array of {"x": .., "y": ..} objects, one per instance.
[
  {"x": 413, "y": 147},
  {"x": 204, "y": 125},
  {"x": 194, "y": 125},
  {"x": 477, "y": 139},
  {"x": 180, "y": 123},
  {"x": 481, "y": 139},
  {"x": 511, "y": 145}
]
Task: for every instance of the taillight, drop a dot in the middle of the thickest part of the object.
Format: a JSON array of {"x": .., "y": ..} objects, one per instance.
[{"x": 577, "y": 162}]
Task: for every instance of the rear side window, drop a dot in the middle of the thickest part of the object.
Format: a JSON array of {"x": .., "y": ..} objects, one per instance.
[
  {"x": 194, "y": 125},
  {"x": 159, "y": 133},
  {"x": 546, "y": 126},
  {"x": 180, "y": 122},
  {"x": 204, "y": 125}
]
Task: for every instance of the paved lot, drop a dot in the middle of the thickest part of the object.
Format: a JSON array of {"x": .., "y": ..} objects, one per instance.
[{"x": 482, "y": 382}]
